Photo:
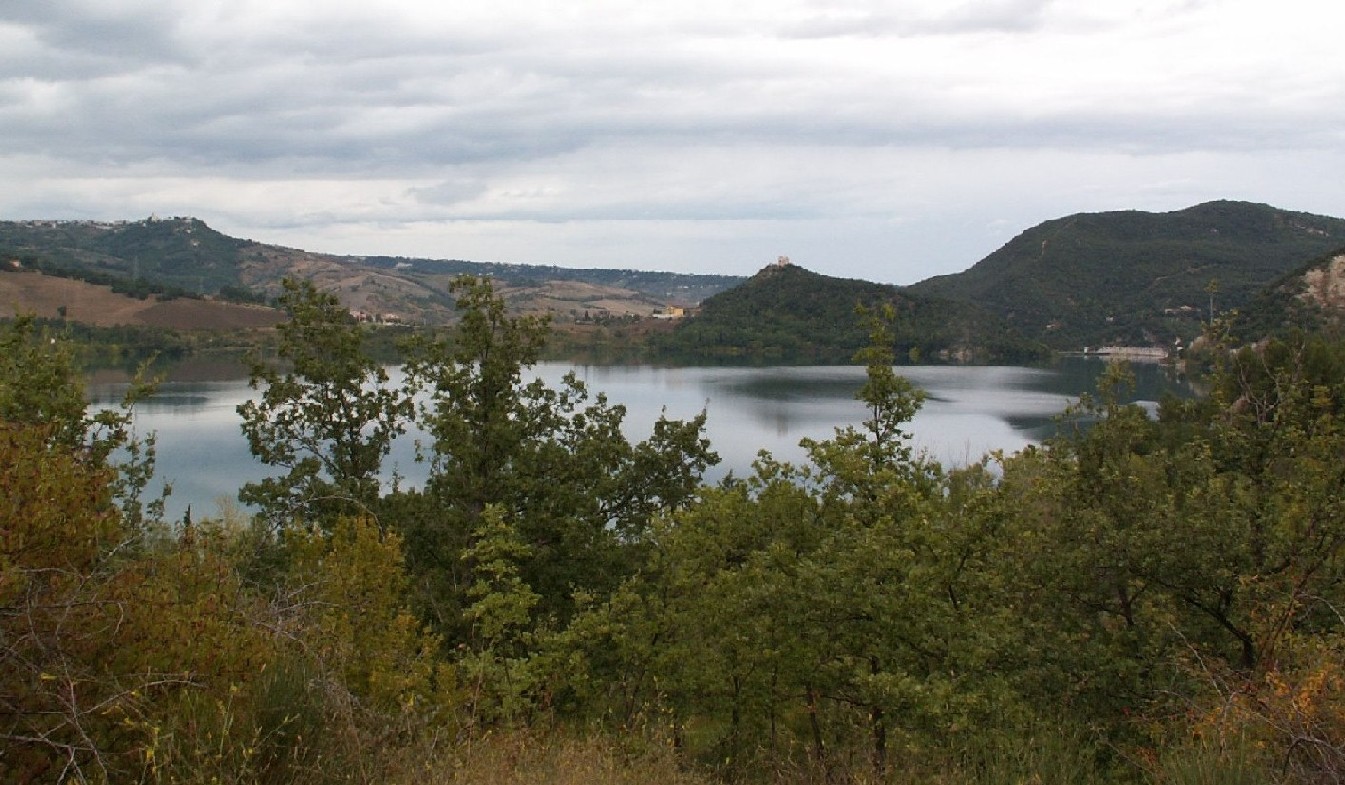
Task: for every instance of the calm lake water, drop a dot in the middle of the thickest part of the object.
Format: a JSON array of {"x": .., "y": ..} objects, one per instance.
[{"x": 969, "y": 411}]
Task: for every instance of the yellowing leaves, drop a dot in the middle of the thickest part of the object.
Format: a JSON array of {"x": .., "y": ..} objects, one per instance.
[{"x": 354, "y": 586}]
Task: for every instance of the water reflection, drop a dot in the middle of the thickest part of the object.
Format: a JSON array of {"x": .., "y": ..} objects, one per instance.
[{"x": 969, "y": 411}]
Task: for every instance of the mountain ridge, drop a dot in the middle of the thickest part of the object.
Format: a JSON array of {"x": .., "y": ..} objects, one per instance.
[
  {"x": 1137, "y": 278},
  {"x": 1128, "y": 278}
]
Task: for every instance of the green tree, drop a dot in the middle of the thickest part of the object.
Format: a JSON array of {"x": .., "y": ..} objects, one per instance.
[
  {"x": 42, "y": 385},
  {"x": 359, "y": 629},
  {"x": 1154, "y": 558},
  {"x": 705, "y": 640},
  {"x": 496, "y": 667},
  {"x": 858, "y": 461},
  {"x": 139, "y": 652},
  {"x": 329, "y": 417},
  {"x": 39, "y": 384},
  {"x": 1092, "y": 510},
  {"x": 833, "y": 608},
  {"x": 553, "y": 460}
]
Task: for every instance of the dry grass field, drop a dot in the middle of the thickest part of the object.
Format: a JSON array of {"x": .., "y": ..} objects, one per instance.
[{"x": 45, "y": 296}]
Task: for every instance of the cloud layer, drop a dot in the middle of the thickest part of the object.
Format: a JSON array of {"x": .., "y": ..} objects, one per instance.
[{"x": 866, "y": 138}]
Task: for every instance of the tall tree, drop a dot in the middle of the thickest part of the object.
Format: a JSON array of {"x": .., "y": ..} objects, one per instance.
[
  {"x": 553, "y": 461},
  {"x": 329, "y": 416}
]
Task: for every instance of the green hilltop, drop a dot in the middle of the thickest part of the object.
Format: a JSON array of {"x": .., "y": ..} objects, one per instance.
[
  {"x": 786, "y": 313},
  {"x": 178, "y": 255},
  {"x": 1136, "y": 278}
]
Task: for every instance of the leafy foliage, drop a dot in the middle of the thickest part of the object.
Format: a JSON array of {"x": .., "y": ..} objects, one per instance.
[
  {"x": 818, "y": 610},
  {"x": 329, "y": 419},
  {"x": 554, "y": 462},
  {"x": 1142, "y": 599},
  {"x": 354, "y": 584}
]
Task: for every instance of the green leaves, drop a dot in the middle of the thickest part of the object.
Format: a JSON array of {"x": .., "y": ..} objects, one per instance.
[
  {"x": 502, "y": 603},
  {"x": 553, "y": 460},
  {"x": 329, "y": 417},
  {"x": 41, "y": 386},
  {"x": 841, "y": 604}
]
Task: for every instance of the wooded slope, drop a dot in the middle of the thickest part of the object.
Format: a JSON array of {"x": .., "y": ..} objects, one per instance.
[{"x": 1137, "y": 278}]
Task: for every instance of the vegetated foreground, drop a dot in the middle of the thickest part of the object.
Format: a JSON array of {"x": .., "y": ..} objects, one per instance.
[{"x": 1142, "y": 600}]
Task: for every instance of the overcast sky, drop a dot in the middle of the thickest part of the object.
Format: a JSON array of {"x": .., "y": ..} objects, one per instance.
[{"x": 883, "y": 139}]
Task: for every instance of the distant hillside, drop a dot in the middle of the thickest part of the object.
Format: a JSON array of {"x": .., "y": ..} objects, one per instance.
[
  {"x": 1120, "y": 278},
  {"x": 184, "y": 256},
  {"x": 667, "y": 288},
  {"x": 1137, "y": 278},
  {"x": 53, "y": 297},
  {"x": 788, "y": 314},
  {"x": 1309, "y": 299},
  {"x": 179, "y": 254}
]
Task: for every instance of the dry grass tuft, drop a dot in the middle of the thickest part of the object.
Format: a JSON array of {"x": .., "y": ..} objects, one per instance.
[{"x": 524, "y": 758}]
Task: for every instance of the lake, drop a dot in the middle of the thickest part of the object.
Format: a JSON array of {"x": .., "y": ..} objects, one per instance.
[{"x": 969, "y": 411}]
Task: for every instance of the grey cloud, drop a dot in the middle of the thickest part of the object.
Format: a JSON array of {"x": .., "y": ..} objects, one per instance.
[
  {"x": 332, "y": 97},
  {"x": 318, "y": 125},
  {"x": 449, "y": 192},
  {"x": 87, "y": 39},
  {"x": 886, "y": 19}
]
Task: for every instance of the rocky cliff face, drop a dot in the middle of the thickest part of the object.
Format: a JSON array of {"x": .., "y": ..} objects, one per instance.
[{"x": 1324, "y": 286}]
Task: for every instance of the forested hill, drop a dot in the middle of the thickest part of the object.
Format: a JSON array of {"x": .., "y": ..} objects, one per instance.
[
  {"x": 1138, "y": 278},
  {"x": 179, "y": 255},
  {"x": 788, "y": 314}
]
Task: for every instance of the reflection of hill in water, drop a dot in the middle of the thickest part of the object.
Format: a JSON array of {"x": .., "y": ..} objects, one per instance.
[
  {"x": 1153, "y": 381},
  {"x": 109, "y": 396},
  {"x": 179, "y": 400},
  {"x": 1029, "y": 401},
  {"x": 1076, "y": 376},
  {"x": 1037, "y": 429},
  {"x": 795, "y": 388}
]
